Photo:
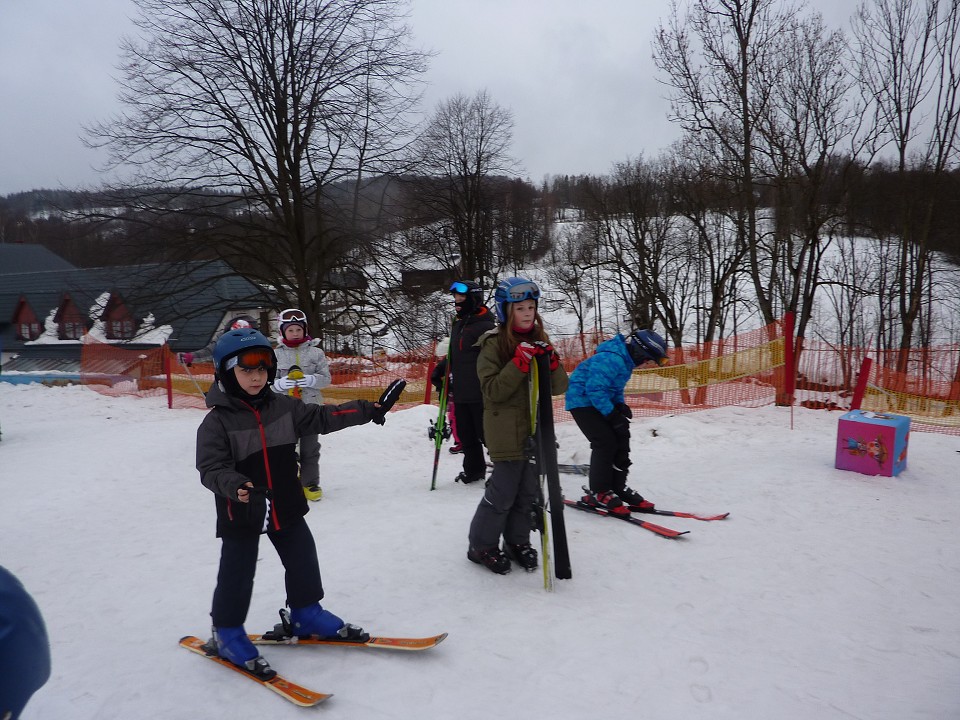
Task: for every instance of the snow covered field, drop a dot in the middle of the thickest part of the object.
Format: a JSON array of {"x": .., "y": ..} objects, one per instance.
[{"x": 826, "y": 594}]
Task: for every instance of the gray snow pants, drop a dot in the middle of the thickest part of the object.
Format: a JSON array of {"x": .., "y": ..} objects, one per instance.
[
  {"x": 309, "y": 460},
  {"x": 507, "y": 505}
]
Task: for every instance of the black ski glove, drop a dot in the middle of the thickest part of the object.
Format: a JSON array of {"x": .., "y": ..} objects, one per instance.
[
  {"x": 619, "y": 424},
  {"x": 436, "y": 377},
  {"x": 387, "y": 400},
  {"x": 624, "y": 410},
  {"x": 621, "y": 460}
]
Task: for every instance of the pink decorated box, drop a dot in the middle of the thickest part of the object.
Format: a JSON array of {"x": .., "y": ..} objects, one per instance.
[{"x": 872, "y": 443}]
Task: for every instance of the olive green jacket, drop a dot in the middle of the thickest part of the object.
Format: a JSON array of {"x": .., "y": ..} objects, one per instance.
[{"x": 506, "y": 400}]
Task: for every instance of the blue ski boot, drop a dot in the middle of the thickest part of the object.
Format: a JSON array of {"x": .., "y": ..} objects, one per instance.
[
  {"x": 313, "y": 620},
  {"x": 233, "y": 645}
]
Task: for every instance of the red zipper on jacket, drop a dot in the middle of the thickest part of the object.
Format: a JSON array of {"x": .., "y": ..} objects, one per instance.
[{"x": 266, "y": 464}]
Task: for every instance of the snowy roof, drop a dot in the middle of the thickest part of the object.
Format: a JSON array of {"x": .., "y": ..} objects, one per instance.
[{"x": 180, "y": 304}]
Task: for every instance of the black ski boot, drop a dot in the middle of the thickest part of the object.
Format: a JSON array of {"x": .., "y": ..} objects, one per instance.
[
  {"x": 522, "y": 554},
  {"x": 491, "y": 558}
]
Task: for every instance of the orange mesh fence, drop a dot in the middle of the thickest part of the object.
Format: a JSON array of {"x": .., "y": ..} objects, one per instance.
[
  {"x": 928, "y": 392},
  {"x": 746, "y": 370},
  {"x": 118, "y": 371}
]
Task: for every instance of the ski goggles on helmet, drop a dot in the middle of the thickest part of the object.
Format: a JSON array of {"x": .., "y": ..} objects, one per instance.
[
  {"x": 523, "y": 291},
  {"x": 253, "y": 359},
  {"x": 460, "y": 288},
  {"x": 292, "y": 315}
]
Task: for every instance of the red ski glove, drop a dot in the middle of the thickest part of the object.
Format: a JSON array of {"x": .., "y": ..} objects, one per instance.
[
  {"x": 548, "y": 349},
  {"x": 524, "y": 353}
]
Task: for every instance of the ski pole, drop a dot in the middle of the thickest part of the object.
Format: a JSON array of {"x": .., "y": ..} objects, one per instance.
[{"x": 190, "y": 373}]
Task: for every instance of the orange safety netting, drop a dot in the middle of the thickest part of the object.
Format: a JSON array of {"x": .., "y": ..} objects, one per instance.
[
  {"x": 928, "y": 393},
  {"x": 746, "y": 370}
]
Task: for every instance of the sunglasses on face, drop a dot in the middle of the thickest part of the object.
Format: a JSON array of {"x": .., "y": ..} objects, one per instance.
[
  {"x": 523, "y": 291},
  {"x": 292, "y": 315},
  {"x": 459, "y": 288},
  {"x": 255, "y": 358}
]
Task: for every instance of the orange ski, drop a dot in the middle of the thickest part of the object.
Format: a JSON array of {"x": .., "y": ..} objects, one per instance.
[
  {"x": 384, "y": 643},
  {"x": 296, "y": 694}
]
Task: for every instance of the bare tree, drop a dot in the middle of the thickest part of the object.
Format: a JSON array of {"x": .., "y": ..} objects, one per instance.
[
  {"x": 811, "y": 118},
  {"x": 647, "y": 266},
  {"x": 266, "y": 118},
  {"x": 572, "y": 257},
  {"x": 464, "y": 147},
  {"x": 910, "y": 68},
  {"x": 721, "y": 63},
  {"x": 715, "y": 249}
]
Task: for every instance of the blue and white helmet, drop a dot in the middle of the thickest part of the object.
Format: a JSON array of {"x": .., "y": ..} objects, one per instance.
[
  {"x": 646, "y": 345},
  {"x": 511, "y": 290}
]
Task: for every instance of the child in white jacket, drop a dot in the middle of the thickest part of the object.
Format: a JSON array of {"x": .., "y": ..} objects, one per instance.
[{"x": 296, "y": 349}]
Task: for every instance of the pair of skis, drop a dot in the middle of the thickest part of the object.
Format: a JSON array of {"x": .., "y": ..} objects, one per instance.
[
  {"x": 291, "y": 691},
  {"x": 585, "y": 471},
  {"x": 544, "y": 455},
  {"x": 597, "y": 509}
]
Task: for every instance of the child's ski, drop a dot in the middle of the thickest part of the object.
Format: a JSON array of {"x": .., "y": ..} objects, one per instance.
[
  {"x": 578, "y": 469},
  {"x": 658, "y": 529},
  {"x": 374, "y": 641},
  {"x": 282, "y": 634},
  {"x": 297, "y": 694},
  {"x": 585, "y": 471},
  {"x": 534, "y": 454},
  {"x": 547, "y": 457},
  {"x": 677, "y": 513}
]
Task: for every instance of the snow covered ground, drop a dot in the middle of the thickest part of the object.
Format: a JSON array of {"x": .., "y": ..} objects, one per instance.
[{"x": 826, "y": 594}]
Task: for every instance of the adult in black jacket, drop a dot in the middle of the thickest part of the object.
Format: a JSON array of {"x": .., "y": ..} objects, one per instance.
[{"x": 473, "y": 319}]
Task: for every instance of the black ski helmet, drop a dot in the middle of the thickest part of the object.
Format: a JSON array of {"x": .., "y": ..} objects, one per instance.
[
  {"x": 646, "y": 345},
  {"x": 473, "y": 296}
]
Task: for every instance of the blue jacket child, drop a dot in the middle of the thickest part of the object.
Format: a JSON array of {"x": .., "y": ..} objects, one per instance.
[{"x": 595, "y": 399}]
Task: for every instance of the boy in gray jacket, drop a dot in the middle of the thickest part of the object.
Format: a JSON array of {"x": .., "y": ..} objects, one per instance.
[{"x": 246, "y": 455}]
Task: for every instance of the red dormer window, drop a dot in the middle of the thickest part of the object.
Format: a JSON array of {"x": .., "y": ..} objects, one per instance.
[
  {"x": 117, "y": 320},
  {"x": 121, "y": 329},
  {"x": 26, "y": 322},
  {"x": 70, "y": 322},
  {"x": 28, "y": 330}
]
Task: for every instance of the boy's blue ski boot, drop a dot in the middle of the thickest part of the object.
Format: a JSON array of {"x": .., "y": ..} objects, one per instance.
[
  {"x": 232, "y": 644},
  {"x": 313, "y": 620}
]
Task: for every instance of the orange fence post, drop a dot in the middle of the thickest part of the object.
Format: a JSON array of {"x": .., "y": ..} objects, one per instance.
[
  {"x": 167, "y": 371},
  {"x": 428, "y": 386},
  {"x": 789, "y": 362},
  {"x": 861, "y": 387}
]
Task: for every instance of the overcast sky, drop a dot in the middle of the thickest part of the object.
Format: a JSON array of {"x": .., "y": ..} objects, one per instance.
[{"x": 577, "y": 75}]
